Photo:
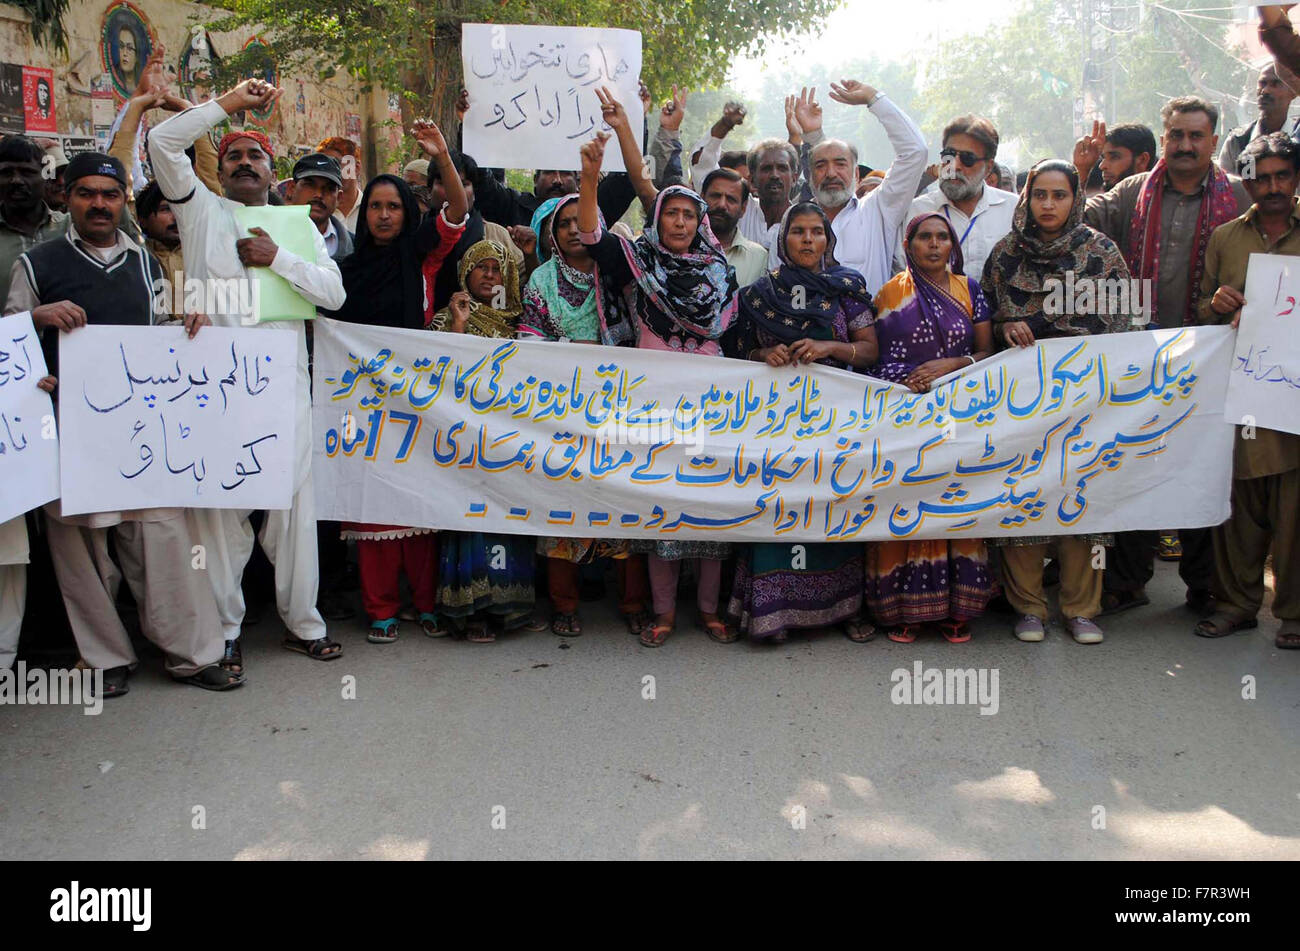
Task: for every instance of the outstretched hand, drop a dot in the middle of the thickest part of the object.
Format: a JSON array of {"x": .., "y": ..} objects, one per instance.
[{"x": 852, "y": 92}]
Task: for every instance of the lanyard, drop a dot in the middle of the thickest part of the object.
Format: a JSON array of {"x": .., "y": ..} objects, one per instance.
[{"x": 962, "y": 240}]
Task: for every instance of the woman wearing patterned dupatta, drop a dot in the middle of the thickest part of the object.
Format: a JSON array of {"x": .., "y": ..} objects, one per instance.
[
  {"x": 485, "y": 577},
  {"x": 809, "y": 310},
  {"x": 674, "y": 292},
  {"x": 560, "y": 303},
  {"x": 1048, "y": 239},
  {"x": 931, "y": 321}
]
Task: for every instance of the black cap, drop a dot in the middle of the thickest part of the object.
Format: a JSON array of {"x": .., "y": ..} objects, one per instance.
[
  {"x": 93, "y": 163},
  {"x": 318, "y": 165}
]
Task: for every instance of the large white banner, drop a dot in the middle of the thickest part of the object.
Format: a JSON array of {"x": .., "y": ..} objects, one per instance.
[
  {"x": 1090, "y": 434},
  {"x": 150, "y": 418},
  {"x": 1264, "y": 385},
  {"x": 29, "y": 446},
  {"x": 532, "y": 92}
]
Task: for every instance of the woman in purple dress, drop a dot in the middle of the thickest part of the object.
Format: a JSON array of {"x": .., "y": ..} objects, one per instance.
[{"x": 931, "y": 320}]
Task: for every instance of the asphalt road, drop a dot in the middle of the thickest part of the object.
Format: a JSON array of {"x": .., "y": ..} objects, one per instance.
[{"x": 1140, "y": 748}]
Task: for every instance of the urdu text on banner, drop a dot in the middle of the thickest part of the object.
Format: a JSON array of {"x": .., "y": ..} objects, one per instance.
[
  {"x": 532, "y": 91},
  {"x": 1070, "y": 436}
]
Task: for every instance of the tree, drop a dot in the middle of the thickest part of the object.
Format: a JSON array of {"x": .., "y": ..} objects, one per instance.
[
  {"x": 47, "y": 22},
  {"x": 1028, "y": 73},
  {"x": 415, "y": 46}
]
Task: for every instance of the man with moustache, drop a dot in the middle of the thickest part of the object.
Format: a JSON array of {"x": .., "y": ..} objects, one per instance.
[
  {"x": 216, "y": 247},
  {"x": 727, "y": 196},
  {"x": 1273, "y": 95},
  {"x": 1162, "y": 221},
  {"x": 96, "y": 274},
  {"x": 25, "y": 219},
  {"x": 980, "y": 213},
  {"x": 317, "y": 181},
  {"x": 867, "y": 229},
  {"x": 1265, "y": 469}
]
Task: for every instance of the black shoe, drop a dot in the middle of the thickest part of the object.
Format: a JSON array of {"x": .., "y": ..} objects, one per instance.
[{"x": 115, "y": 682}]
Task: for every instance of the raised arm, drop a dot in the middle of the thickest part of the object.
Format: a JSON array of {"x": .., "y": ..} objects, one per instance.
[
  {"x": 895, "y": 194},
  {"x": 430, "y": 139},
  {"x": 593, "y": 153},
  {"x": 615, "y": 116}
]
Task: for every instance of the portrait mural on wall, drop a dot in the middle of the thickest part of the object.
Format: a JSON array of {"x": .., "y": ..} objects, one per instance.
[
  {"x": 126, "y": 40},
  {"x": 265, "y": 68},
  {"x": 197, "y": 62}
]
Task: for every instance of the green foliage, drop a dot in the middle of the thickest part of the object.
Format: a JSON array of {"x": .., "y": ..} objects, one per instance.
[
  {"x": 47, "y": 22},
  {"x": 1027, "y": 73}
]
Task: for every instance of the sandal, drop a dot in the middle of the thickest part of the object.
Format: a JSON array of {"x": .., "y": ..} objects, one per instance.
[
  {"x": 214, "y": 677},
  {"x": 637, "y": 621},
  {"x": 566, "y": 625},
  {"x": 718, "y": 631},
  {"x": 233, "y": 658},
  {"x": 955, "y": 632},
  {"x": 902, "y": 635},
  {"x": 478, "y": 632},
  {"x": 534, "y": 624},
  {"x": 859, "y": 630},
  {"x": 383, "y": 632},
  {"x": 1220, "y": 624},
  {"x": 655, "y": 635},
  {"x": 1113, "y": 602},
  {"x": 1288, "y": 636},
  {"x": 322, "y": 648},
  {"x": 429, "y": 624}
]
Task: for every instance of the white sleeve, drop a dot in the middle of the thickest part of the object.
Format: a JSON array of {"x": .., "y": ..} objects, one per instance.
[
  {"x": 894, "y": 196},
  {"x": 710, "y": 150},
  {"x": 171, "y": 166},
  {"x": 318, "y": 281}
]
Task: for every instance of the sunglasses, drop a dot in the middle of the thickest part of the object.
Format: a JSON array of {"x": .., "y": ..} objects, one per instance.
[{"x": 969, "y": 159}]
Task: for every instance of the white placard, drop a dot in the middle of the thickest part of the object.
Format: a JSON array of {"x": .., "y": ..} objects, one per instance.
[
  {"x": 532, "y": 99},
  {"x": 29, "y": 445},
  {"x": 1074, "y": 435},
  {"x": 1264, "y": 382},
  {"x": 150, "y": 418}
]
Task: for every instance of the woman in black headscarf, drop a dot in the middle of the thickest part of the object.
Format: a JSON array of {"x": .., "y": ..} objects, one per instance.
[{"x": 385, "y": 281}]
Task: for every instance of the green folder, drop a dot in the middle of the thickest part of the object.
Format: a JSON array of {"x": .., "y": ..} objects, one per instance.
[{"x": 291, "y": 228}]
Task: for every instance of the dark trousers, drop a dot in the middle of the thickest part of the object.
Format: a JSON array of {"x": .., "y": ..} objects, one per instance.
[{"x": 1131, "y": 561}]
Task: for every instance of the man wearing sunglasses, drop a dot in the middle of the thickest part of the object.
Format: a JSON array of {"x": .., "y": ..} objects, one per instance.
[{"x": 981, "y": 214}]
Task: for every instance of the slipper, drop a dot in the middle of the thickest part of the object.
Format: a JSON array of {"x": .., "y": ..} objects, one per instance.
[
  {"x": 1288, "y": 636},
  {"x": 214, "y": 677},
  {"x": 718, "y": 631},
  {"x": 478, "y": 632},
  {"x": 115, "y": 684},
  {"x": 859, "y": 630},
  {"x": 566, "y": 624},
  {"x": 1219, "y": 624},
  {"x": 902, "y": 635},
  {"x": 955, "y": 632},
  {"x": 655, "y": 635},
  {"x": 322, "y": 648},
  {"x": 637, "y": 621},
  {"x": 233, "y": 658},
  {"x": 429, "y": 624},
  {"x": 382, "y": 632}
]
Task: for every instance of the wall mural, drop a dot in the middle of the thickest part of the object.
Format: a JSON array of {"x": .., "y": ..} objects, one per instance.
[{"x": 126, "y": 40}]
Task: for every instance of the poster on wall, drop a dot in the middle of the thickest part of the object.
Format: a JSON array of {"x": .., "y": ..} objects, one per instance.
[
  {"x": 125, "y": 42},
  {"x": 38, "y": 100},
  {"x": 352, "y": 125},
  {"x": 12, "y": 118},
  {"x": 263, "y": 66},
  {"x": 196, "y": 65}
]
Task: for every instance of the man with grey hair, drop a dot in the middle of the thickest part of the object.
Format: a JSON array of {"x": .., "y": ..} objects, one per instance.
[
  {"x": 866, "y": 229},
  {"x": 979, "y": 212}
]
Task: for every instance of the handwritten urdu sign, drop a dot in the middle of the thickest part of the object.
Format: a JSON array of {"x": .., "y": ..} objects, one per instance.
[
  {"x": 1088, "y": 434},
  {"x": 29, "y": 447},
  {"x": 1264, "y": 383},
  {"x": 532, "y": 91},
  {"x": 149, "y": 418}
]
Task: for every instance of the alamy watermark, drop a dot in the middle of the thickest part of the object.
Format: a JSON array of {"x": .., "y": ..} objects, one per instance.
[
  {"x": 946, "y": 686},
  {"x": 20, "y": 686},
  {"x": 1100, "y": 296}
]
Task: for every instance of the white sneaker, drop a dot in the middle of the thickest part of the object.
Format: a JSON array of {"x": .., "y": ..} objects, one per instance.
[
  {"x": 1084, "y": 631},
  {"x": 1030, "y": 628}
]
